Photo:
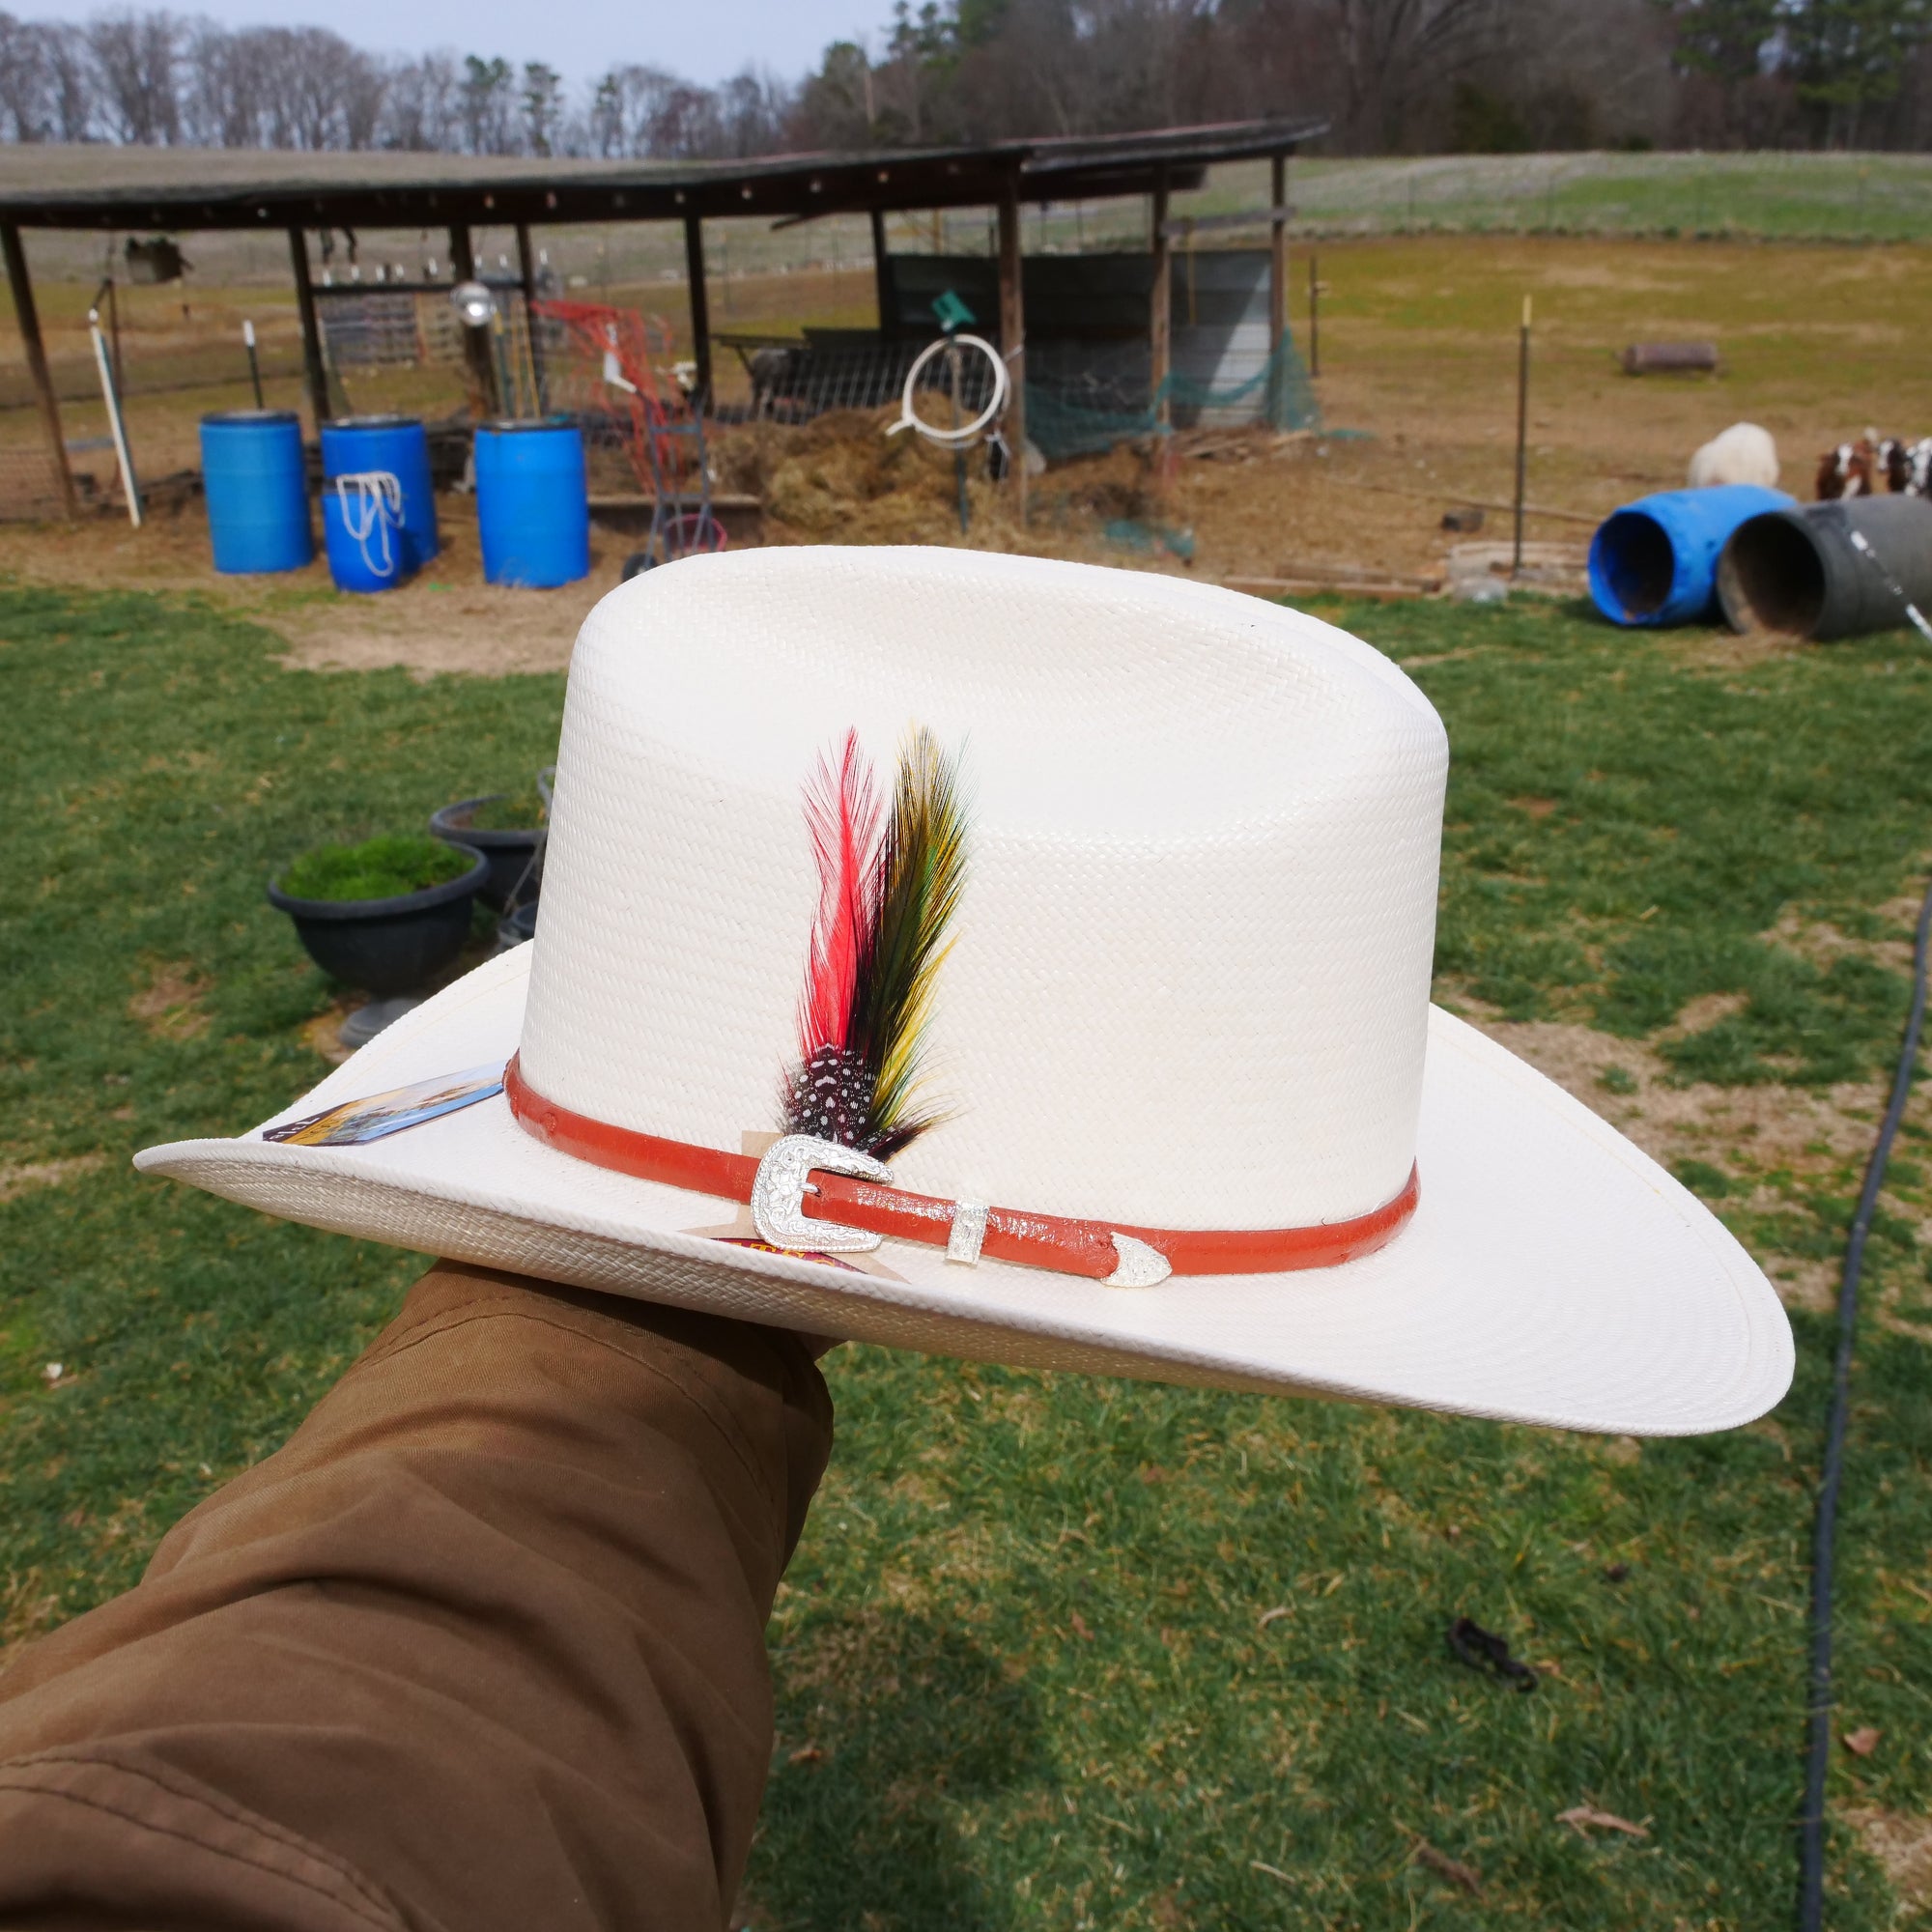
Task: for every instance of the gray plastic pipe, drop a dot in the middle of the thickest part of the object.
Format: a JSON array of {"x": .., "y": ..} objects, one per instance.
[{"x": 1797, "y": 573}]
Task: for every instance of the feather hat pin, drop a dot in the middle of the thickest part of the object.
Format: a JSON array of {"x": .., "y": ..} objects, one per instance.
[{"x": 888, "y": 885}]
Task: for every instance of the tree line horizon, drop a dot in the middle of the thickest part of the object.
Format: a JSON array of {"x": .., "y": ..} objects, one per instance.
[{"x": 1391, "y": 77}]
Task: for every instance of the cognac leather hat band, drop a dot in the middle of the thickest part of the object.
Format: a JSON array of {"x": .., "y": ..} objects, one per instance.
[{"x": 1091, "y": 1248}]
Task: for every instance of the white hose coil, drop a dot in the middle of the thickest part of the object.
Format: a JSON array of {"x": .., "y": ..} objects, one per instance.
[
  {"x": 372, "y": 506},
  {"x": 966, "y": 434}
]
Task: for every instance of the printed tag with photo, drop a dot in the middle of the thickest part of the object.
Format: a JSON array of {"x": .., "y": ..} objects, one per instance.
[{"x": 354, "y": 1122}]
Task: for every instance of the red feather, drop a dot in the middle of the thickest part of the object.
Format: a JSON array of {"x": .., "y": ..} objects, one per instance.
[{"x": 842, "y": 813}]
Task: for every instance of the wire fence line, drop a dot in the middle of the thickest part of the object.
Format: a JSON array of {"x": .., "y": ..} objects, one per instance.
[{"x": 167, "y": 373}]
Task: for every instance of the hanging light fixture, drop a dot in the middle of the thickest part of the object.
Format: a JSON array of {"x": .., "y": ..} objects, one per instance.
[{"x": 474, "y": 303}]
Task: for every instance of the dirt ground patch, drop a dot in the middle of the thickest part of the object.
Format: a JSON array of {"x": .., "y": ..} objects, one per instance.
[
  {"x": 1903, "y": 1846},
  {"x": 21, "y": 1177},
  {"x": 447, "y": 620},
  {"x": 169, "y": 1005},
  {"x": 836, "y": 481},
  {"x": 1261, "y": 507},
  {"x": 1767, "y": 1144},
  {"x": 1418, "y": 394}
]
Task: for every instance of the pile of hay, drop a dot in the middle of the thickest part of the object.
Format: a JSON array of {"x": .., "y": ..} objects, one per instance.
[{"x": 841, "y": 479}]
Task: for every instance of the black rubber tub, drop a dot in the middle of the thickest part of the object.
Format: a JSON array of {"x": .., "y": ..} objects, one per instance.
[
  {"x": 1797, "y": 573},
  {"x": 388, "y": 946},
  {"x": 517, "y": 928},
  {"x": 512, "y": 854}
]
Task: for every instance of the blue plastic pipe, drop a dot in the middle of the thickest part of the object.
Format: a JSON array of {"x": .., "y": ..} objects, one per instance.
[
  {"x": 1655, "y": 561},
  {"x": 251, "y": 473},
  {"x": 532, "y": 503}
]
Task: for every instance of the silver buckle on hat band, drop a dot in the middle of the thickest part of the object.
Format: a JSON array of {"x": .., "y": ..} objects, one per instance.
[
  {"x": 780, "y": 1185},
  {"x": 783, "y": 1180}
]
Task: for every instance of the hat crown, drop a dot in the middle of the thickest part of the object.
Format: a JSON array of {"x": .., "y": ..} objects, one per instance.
[{"x": 1189, "y": 974}]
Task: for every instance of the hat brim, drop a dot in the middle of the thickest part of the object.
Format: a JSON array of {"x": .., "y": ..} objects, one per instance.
[{"x": 1552, "y": 1274}]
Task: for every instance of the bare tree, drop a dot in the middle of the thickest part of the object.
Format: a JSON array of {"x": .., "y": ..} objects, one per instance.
[
  {"x": 641, "y": 111},
  {"x": 1396, "y": 55},
  {"x": 626, "y": 107},
  {"x": 752, "y": 109},
  {"x": 364, "y": 88},
  {"x": 221, "y": 97},
  {"x": 422, "y": 105},
  {"x": 69, "y": 68},
  {"x": 134, "y": 59},
  {"x": 25, "y": 84}
]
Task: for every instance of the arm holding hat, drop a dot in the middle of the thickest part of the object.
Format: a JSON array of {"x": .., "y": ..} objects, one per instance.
[{"x": 482, "y": 1645}]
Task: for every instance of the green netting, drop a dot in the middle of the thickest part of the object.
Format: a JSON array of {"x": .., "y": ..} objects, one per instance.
[{"x": 1072, "y": 419}]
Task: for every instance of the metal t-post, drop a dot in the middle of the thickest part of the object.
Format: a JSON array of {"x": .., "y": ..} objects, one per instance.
[
  {"x": 1314, "y": 314},
  {"x": 254, "y": 362},
  {"x": 116, "y": 422},
  {"x": 1522, "y": 435}
]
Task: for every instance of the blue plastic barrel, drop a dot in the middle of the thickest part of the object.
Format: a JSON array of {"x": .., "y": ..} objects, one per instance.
[
  {"x": 532, "y": 503},
  {"x": 1655, "y": 561},
  {"x": 251, "y": 473},
  {"x": 390, "y": 446}
]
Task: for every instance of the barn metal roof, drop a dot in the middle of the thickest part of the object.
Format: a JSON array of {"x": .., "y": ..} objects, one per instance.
[{"x": 99, "y": 186}]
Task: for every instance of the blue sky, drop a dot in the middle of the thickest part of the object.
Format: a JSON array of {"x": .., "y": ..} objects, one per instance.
[{"x": 579, "y": 38}]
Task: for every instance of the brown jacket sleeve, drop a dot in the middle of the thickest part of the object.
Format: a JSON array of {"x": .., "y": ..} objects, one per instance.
[{"x": 482, "y": 1646}]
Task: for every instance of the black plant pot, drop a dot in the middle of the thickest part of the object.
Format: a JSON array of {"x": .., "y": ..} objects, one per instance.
[
  {"x": 387, "y": 946},
  {"x": 511, "y": 853},
  {"x": 517, "y": 928}
]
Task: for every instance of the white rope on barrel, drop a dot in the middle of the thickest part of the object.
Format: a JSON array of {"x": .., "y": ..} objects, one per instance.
[{"x": 374, "y": 509}]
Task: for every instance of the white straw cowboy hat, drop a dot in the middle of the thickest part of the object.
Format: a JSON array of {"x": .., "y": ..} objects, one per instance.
[{"x": 1154, "y": 865}]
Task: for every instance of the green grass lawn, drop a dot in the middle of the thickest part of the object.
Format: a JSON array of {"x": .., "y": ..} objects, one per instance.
[
  {"x": 1059, "y": 1652},
  {"x": 1835, "y": 197}
]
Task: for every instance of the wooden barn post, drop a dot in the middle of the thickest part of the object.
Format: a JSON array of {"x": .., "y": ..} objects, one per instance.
[
  {"x": 1277, "y": 291},
  {"x": 882, "y": 278},
  {"x": 526, "y": 271},
  {"x": 28, "y": 315},
  {"x": 700, "y": 310},
  {"x": 1012, "y": 339},
  {"x": 314, "y": 372},
  {"x": 476, "y": 353},
  {"x": 1160, "y": 316}
]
